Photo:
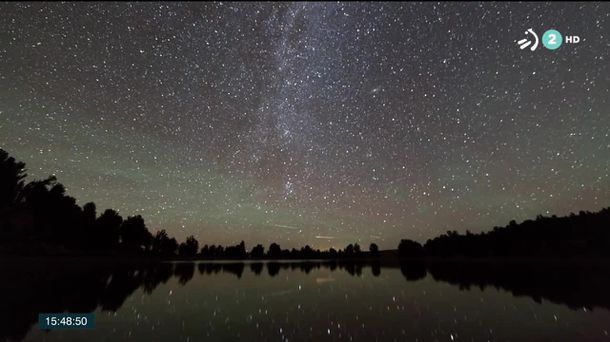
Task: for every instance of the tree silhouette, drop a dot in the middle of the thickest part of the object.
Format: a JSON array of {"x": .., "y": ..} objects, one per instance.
[
  {"x": 107, "y": 229},
  {"x": 12, "y": 180},
  {"x": 374, "y": 250},
  {"x": 14, "y": 219},
  {"x": 164, "y": 245},
  {"x": 585, "y": 234},
  {"x": 274, "y": 251},
  {"x": 410, "y": 248},
  {"x": 38, "y": 217},
  {"x": 89, "y": 213},
  {"x": 257, "y": 252},
  {"x": 235, "y": 252},
  {"x": 88, "y": 218},
  {"x": 56, "y": 217},
  {"x": 189, "y": 248},
  {"x": 349, "y": 250},
  {"x": 134, "y": 234},
  {"x": 205, "y": 251},
  {"x": 308, "y": 253},
  {"x": 240, "y": 250}
]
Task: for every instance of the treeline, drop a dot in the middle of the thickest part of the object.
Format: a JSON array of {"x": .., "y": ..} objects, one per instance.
[
  {"x": 276, "y": 252},
  {"x": 585, "y": 234},
  {"x": 38, "y": 217}
]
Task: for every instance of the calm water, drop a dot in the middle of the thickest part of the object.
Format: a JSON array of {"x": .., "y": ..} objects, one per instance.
[{"x": 311, "y": 301}]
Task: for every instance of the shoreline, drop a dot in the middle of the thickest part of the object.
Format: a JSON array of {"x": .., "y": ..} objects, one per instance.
[{"x": 387, "y": 260}]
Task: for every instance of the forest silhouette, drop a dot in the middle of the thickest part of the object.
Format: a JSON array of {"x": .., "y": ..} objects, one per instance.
[{"x": 39, "y": 218}]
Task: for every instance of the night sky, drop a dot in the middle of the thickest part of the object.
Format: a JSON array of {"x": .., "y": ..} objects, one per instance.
[{"x": 311, "y": 123}]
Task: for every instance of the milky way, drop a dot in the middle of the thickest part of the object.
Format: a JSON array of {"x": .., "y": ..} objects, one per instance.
[{"x": 311, "y": 123}]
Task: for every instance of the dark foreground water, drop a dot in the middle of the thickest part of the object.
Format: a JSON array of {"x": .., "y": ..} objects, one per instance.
[{"x": 310, "y": 301}]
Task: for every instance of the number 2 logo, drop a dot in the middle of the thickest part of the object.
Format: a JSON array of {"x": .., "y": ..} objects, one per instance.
[{"x": 552, "y": 39}]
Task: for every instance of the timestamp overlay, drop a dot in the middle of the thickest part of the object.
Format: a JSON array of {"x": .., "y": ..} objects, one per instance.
[{"x": 54, "y": 321}]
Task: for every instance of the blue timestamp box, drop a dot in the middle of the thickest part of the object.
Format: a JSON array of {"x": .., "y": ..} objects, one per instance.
[{"x": 52, "y": 321}]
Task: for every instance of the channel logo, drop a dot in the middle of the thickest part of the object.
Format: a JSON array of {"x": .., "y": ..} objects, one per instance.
[
  {"x": 551, "y": 39},
  {"x": 525, "y": 42}
]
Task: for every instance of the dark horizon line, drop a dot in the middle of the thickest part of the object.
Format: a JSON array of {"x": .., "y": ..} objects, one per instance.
[{"x": 38, "y": 217}]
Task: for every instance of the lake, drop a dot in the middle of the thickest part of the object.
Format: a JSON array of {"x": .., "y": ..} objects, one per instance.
[{"x": 304, "y": 301}]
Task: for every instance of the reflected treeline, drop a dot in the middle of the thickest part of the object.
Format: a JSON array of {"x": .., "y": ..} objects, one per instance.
[
  {"x": 28, "y": 290},
  {"x": 65, "y": 287},
  {"x": 353, "y": 267},
  {"x": 574, "y": 284},
  {"x": 235, "y": 268}
]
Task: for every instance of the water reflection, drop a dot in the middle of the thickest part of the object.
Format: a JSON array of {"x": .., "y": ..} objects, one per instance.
[
  {"x": 576, "y": 285},
  {"x": 256, "y": 267},
  {"x": 70, "y": 287}
]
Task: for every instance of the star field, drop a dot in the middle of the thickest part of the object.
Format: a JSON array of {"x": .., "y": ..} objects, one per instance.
[{"x": 311, "y": 123}]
